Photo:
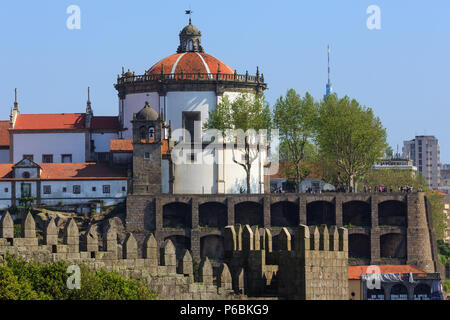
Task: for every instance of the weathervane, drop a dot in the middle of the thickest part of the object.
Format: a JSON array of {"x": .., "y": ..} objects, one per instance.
[{"x": 189, "y": 12}]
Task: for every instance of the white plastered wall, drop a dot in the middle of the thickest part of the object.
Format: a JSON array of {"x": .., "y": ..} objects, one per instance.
[{"x": 56, "y": 144}]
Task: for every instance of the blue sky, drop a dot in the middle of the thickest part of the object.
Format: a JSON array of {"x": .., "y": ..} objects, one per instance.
[{"x": 402, "y": 71}]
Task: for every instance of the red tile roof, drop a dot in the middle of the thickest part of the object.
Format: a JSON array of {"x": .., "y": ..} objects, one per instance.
[
  {"x": 102, "y": 122},
  {"x": 126, "y": 145},
  {"x": 121, "y": 145},
  {"x": 191, "y": 62},
  {"x": 71, "y": 171},
  {"x": 53, "y": 121},
  {"x": 6, "y": 170},
  {"x": 354, "y": 272},
  {"x": 4, "y": 133}
]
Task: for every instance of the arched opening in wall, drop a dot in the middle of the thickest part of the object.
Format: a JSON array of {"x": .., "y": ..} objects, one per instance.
[
  {"x": 181, "y": 244},
  {"x": 284, "y": 214},
  {"x": 212, "y": 247},
  {"x": 177, "y": 215},
  {"x": 191, "y": 45},
  {"x": 320, "y": 212},
  {"x": 393, "y": 245},
  {"x": 356, "y": 213},
  {"x": 399, "y": 292},
  {"x": 250, "y": 213},
  {"x": 422, "y": 292},
  {"x": 358, "y": 246},
  {"x": 375, "y": 294},
  {"x": 143, "y": 133},
  {"x": 213, "y": 214},
  {"x": 392, "y": 213},
  {"x": 151, "y": 133}
]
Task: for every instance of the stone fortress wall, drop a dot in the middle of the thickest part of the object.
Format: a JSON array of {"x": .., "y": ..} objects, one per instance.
[
  {"x": 383, "y": 228},
  {"x": 314, "y": 267},
  {"x": 316, "y": 263}
]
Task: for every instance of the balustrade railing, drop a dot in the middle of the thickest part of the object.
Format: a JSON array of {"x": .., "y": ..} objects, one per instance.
[{"x": 190, "y": 76}]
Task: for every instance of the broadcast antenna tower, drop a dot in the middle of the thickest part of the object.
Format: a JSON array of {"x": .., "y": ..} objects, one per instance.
[{"x": 329, "y": 84}]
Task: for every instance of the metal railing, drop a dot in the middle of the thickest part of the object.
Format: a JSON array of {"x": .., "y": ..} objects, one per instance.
[{"x": 190, "y": 76}]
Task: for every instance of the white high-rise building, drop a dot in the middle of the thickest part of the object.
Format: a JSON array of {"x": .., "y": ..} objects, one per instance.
[{"x": 425, "y": 152}]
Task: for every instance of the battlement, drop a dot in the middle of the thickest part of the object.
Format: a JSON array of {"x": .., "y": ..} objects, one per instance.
[
  {"x": 172, "y": 279},
  {"x": 313, "y": 265}
]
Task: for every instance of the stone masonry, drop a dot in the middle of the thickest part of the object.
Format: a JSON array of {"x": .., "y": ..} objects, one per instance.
[
  {"x": 316, "y": 264},
  {"x": 146, "y": 214}
]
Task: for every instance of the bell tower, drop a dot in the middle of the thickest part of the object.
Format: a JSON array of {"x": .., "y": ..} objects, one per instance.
[
  {"x": 147, "y": 154},
  {"x": 190, "y": 39}
]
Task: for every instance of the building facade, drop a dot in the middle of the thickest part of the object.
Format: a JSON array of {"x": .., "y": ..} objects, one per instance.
[
  {"x": 60, "y": 183},
  {"x": 396, "y": 163},
  {"x": 181, "y": 90},
  {"x": 393, "y": 282},
  {"x": 445, "y": 179}
]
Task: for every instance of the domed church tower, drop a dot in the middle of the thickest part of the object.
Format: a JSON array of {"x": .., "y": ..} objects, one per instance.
[{"x": 183, "y": 88}]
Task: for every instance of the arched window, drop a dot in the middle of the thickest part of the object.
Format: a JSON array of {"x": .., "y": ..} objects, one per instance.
[
  {"x": 197, "y": 44},
  {"x": 143, "y": 133},
  {"x": 190, "y": 45},
  {"x": 25, "y": 175},
  {"x": 151, "y": 133}
]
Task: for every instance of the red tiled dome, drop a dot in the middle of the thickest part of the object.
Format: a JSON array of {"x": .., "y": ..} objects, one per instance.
[{"x": 190, "y": 62}]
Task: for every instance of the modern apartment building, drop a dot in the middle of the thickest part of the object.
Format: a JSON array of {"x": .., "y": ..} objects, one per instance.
[
  {"x": 445, "y": 179},
  {"x": 425, "y": 153}
]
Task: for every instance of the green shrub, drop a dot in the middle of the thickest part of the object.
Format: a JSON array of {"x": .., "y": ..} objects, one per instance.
[
  {"x": 17, "y": 230},
  {"x": 447, "y": 286},
  {"x": 30, "y": 280}
]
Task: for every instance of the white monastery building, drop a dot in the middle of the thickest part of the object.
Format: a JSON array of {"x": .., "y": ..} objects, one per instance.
[{"x": 79, "y": 157}]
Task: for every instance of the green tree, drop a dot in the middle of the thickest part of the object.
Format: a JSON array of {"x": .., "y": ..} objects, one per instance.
[
  {"x": 349, "y": 136},
  {"x": 31, "y": 280},
  {"x": 246, "y": 112},
  {"x": 295, "y": 118},
  {"x": 438, "y": 215},
  {"x": 395, "y": 178}
]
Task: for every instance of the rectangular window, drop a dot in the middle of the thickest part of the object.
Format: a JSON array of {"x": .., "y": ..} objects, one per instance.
[
  {"x": 47, "y": 158},
  {"x": 6, "y": 189},
  {"x": 77, "y": 189},
  {"x": 66, "y": 158},
  {"x": 94, "y": 189},
  {"x": 192, "y": 124},
  {"x": 28, "y": 156},
  {"x": 47, "y": 189},
  {"x": 106, "y": 188},
  {"x": 124, "y": 189},
  {"x": 147, "y": 155},
  {"x": 64, "y": 189}
]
